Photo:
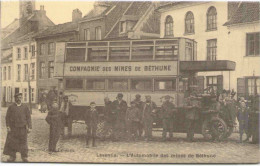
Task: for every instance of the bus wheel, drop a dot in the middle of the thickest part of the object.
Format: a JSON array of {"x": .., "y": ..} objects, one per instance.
[{"x": 214, "y": 127}]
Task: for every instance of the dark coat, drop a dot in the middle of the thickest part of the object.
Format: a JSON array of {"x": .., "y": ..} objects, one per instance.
[
  {"x": 109, "y": 115},
  {"x": 132, "y": 114},
  {"x": 120, "y": 109},
  {"x": 54, "y": 118},
  {"x": 148, "y": 111},
  {"x": 91, "y": 117},
  {"x": 18, "y": 118},
  {"x": 167, "y": 110}
]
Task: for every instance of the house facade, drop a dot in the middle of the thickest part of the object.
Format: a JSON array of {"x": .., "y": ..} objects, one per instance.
[
  {"x": 6, "y": 80},
  {"x": 203, "y": 22},
  {"x": 244, "y": 38},
  {"x": 46, "y": 47},
  {"x": 24, "y": 70}
]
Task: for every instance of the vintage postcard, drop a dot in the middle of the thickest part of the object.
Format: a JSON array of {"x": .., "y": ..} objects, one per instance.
[{"x": 130, "y": 81}]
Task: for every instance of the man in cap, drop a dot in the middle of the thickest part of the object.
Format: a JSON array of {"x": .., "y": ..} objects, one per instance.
[
  {"x": 66, "y": 115},
  {"x": 18, "y": 124},
  {"x": 139, "y": 105},
  {"x": 191, "y": 115},
  {"x": 167, "y": 115},
  {"x": 120, "y": 107},
  {"x": 149, "y": 109}
]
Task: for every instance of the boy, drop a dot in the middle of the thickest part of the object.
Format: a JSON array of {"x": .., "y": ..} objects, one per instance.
[
  {"x": 132, "y": 120},
  {"x": 91, "y": 121},
  {"x": 54, "y": 120}
]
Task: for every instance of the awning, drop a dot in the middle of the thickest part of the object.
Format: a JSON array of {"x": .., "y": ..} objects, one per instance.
[{"x": 220, "y": 65}]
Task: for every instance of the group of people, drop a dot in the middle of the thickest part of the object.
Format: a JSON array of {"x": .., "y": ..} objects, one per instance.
[{"x": 125, "y": 122}]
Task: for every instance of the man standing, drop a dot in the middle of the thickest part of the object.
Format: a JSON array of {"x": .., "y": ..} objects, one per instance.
[
  {"x": 139, "y": 105},
  {"x": 167, "y": 114},
  {"x": 191, "y": 116},
  {"x": 66, "y": 115},
  {"x": 148, "y": 111},
  {"x": 120, "y": 107},
  {"x": 18, "y": 123}
]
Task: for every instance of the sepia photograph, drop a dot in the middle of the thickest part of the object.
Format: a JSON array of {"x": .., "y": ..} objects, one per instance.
[{"x": 130, "y": 82}]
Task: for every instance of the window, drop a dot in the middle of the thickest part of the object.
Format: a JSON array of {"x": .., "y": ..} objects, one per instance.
[
  {"x": 9, "y": 73},
  {"x": 169, "y": 26},
  {"x": 122, "y": 26},
  {"x": 50, "y": 48},
  {"x": 32, "y": 95},
  {"x": 4, "y": 75},
  {"x": 253, "y": 86},
  {"x": 212, "y": 50},
  {"x": 25, "y": 94},
  {"x": 212, "y": 82},
  {"x": 42, "y": 49},
  {"x": 51, "y": 69},
  {"x": 33, "y": 71},
  {"x": 252, "y": 44},
  {"x": 76, "y": 54},
  {"x": 33, "y": 51},
  {"x": 189, "y": 23},
  {"x": 166, "y": 52},
  {"x": 95, "y": 84},
  {"x": 18, "y": 53},
  {"x": 74, "y": 83},
  {"x": 141, "y": 84},
  {"x": 42, "y": 69},
  {"x": 86, "y": 34},
  {"x": 212, "y": 18},
  {"x": 117, "y": 84},
  {"x": 165, "y": 84},
  {"x": 189, "y": 52},
  {"x": 25, "y": 53},
  {"x": 98, "y": 33},
  {"x": 26, "y": 72},
  {"x": 18, "y": 72}
]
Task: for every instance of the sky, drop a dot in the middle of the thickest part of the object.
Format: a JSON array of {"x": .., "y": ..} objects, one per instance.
[{"x": 58, "y": 11}]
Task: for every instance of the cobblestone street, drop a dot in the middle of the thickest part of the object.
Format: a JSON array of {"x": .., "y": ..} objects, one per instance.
[{"x": 177, "y": 151}]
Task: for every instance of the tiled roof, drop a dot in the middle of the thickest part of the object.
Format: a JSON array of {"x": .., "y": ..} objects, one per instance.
[
  {"x": 7, "y": 59},
  {"x": 246, "y": 13},
  {"x": 114, "y": 15},
  {"x": 137, "y": 10},
  {"x": 58, "y": 29}
]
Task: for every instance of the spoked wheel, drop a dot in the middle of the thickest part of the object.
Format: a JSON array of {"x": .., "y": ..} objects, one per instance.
[{"x": 214, "y": 127}]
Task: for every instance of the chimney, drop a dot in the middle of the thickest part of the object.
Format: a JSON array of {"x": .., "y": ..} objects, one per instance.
[
  {"x": 76, "y": 15},
  {"x": 42, "y": 11}
]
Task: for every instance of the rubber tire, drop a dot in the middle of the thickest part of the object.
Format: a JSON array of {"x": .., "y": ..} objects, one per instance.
[{"x": 207, "y": 134}]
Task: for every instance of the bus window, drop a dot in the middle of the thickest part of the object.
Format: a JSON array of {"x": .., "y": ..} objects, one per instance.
[
  {"x": 141, "y": 84},
  {"x": 166, "y": 52},
  {"x": 95, "y": 84},
  {"x": 142, "y": 53},
  {"x": 74, "y": 83},
  {"x": 165, "y": 84},
  {"x": 119, "y": 53},
  {"x": 75, "y": 54},
  {"x": 97, "y": 54},
  {"x": 117, "y": 84}
]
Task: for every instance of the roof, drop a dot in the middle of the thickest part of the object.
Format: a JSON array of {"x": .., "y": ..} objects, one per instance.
[
  {"x": 7, "y": 59},
  {"x": 247, "y": 12},
  {"x": 135, "y": 11},
  {"x": 38, "y": 18},
  {"x": 10, "y": 28},
  {"x": 105, "y": 7},
  {"x": 165, "y": 4},
  {"x": 58, "y": 29}
]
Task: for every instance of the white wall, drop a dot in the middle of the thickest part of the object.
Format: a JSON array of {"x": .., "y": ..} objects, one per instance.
[
  {"x": 23, "y": 83},
  {"x": 245, "y": 66},
  {"x": 201, "y": 34},
  {"x": 7, "y": 83}
]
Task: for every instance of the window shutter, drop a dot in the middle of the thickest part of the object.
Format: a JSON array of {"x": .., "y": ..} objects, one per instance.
[
  {"x": 219, "y": 84},
  {"x": 200, "y": 83},
  {"x": 241, "y": 87}
]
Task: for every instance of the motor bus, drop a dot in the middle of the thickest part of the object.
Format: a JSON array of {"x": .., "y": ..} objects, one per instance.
[{"x": 89, "y": 71}]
